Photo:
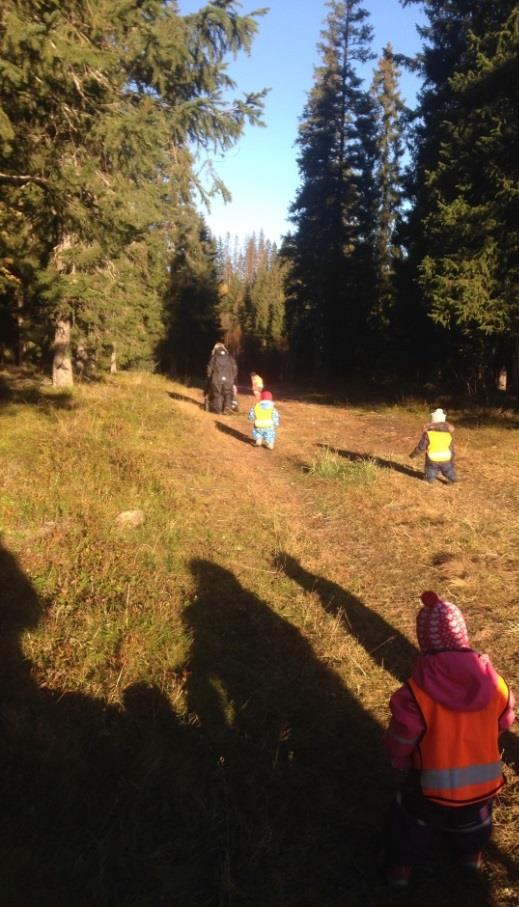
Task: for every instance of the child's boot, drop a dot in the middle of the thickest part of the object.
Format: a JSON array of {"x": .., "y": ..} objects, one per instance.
[
  {"x": 399, "y": 876},
  {"x": 259, "y": 442},
  {"x": 270, "y": 445}
]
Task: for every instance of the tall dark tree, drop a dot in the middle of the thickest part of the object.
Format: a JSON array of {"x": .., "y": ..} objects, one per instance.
[
  {"x": 464, "y": 224},
  {"x": 330, "y": 249},
  {"x": 192, "y": 300},
  {"x": 390, "y": 112}
]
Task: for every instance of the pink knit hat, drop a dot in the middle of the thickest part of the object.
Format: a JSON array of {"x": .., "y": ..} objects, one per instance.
[
  {"x": 440, "y": 625},
  {"x": 265, "y": 395}
]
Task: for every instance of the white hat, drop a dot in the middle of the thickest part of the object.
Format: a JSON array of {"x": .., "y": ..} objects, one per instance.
[{"x": 438, "y": 416}]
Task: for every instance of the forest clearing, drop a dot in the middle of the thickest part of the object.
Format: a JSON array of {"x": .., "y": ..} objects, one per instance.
[
  {"x": 203, "y": 640},
  {"x": 194, "y": 706}
]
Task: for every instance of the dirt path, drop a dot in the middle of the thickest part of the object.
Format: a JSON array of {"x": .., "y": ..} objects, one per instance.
[
  {"x": 382, "y": 536},
  {"x": 344, "y": 558}
]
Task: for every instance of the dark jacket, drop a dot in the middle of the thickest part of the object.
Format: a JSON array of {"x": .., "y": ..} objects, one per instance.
[{"x": 222, "y": 368}]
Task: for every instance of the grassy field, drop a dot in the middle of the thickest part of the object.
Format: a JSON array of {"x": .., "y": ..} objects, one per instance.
[{"x": 193, "y": 708}]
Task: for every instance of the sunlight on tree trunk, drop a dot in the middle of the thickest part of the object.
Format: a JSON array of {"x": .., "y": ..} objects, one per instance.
[
  {"x": 113, "y": 359},
  {"x": 62, "y": 375}
]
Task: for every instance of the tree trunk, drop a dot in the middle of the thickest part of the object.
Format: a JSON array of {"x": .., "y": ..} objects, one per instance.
[
  {"x": 62, "y": 375},
  {"x": 113, "y": 359},
  {"x": 20, "y": 340},
  {"x": 513, "y": 376},
  {"x": 81, "y": 362}
]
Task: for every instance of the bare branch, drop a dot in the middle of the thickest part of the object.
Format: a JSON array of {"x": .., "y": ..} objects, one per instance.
[{"x": 23, "y": 178}]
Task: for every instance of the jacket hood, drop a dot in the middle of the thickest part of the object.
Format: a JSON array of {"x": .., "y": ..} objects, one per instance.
[
  {"x": 462, "y": 681},
  {"x": 265, "y": 404}
]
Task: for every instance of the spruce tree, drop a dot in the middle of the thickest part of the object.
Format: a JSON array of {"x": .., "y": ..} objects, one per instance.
[
  {"x": 464, "y": 222},
  {"x": 231, "y": 294},
  {"x": 252, "y": 301},
  {"x": 192, "y": 300},
  {"x": 470, "y": 272},
  {"x": 389, "y": 112},
  {"x": 330, "y": 249}
]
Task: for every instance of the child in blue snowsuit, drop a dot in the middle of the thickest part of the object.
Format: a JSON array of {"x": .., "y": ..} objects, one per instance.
[{"x": 266, "y": 419}]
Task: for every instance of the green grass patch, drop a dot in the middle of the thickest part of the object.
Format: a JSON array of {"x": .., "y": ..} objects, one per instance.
[{"x": 330, "y": 465}]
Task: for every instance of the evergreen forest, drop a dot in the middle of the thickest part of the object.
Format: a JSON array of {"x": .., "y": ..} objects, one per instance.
[{"x": 401, "y": 260}]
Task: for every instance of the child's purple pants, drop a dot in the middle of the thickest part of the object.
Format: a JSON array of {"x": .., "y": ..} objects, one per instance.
[{"x": 414, "y": 822}]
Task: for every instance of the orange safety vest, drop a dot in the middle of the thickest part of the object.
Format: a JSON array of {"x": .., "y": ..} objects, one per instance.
[
  {"x": 458, "y": 755},
  {"x": 263, "y": 416},
  {"x": 439, "y": 446}
]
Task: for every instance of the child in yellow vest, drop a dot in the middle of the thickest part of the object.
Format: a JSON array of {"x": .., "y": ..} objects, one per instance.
[
  {"x": 438, "y": 445},
  {"x": 266, "y": 420},
  {"x": 256, "y": 384}
]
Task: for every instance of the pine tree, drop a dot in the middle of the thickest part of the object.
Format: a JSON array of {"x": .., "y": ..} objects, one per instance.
[
  {"x": 464, "y": 221},
  {"x": 470, "y": 274},
  {"x": 267, "y": 301},
  {"x": 389, "y": 111},
  {"x": 231, "y": 292},
  {"x": 192, "y": 300},
  {"x": 330, "y": 249},
  {"x": 252, "y": 301}
]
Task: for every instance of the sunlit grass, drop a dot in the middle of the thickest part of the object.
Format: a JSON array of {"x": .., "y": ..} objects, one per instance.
[
  {"x": 233, "y": 656},
  {"x": 329, "y": 465}
]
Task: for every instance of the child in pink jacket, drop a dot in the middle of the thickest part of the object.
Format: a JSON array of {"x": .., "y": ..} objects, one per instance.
[{"x": 443, "y": 733}]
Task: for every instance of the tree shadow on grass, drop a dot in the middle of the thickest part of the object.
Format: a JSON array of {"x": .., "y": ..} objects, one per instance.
[
  {"x": 245, "y": 390},
  {"x": 293, "y": 748},
  {"x": 234, "y": 433},
  {"x": 510, "y": 744},
  {"x": 508, "y": 865},
  {"x": 355, "y": 457},
  {"x": 101, "y": 803},
  {"x": 301, "y": 781},
  {"x": 354, "y": 391},
  {"x": 14, "y": 392},
  {"x": 270, "y": 792},
  {"x": 488, "y": 420},
  {"x": 386, "y": 645},
  {"x": 185, "y": 399}
]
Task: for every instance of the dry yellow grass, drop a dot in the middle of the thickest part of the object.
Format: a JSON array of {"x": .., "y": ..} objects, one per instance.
[{"x": 245, "y": 639}]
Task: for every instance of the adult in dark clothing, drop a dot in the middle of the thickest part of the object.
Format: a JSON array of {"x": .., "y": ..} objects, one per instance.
[{"x": 221, "y": 375}]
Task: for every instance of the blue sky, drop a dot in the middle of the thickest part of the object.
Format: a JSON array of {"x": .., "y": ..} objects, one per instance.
[{"x": 261, "y": 170}]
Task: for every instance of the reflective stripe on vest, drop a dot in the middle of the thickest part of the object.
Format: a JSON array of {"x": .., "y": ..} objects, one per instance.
[
  {"x": 439, "y": 446},
  {"x": 263, "y": 416},
  {"x": 460, "y": 777},
  {"x": 458, "y": 755}
]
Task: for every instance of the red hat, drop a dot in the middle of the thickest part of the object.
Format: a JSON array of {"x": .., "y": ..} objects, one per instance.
[
  {"x": 265, "y": 395},
  {"x": 440, "y": 625}
]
